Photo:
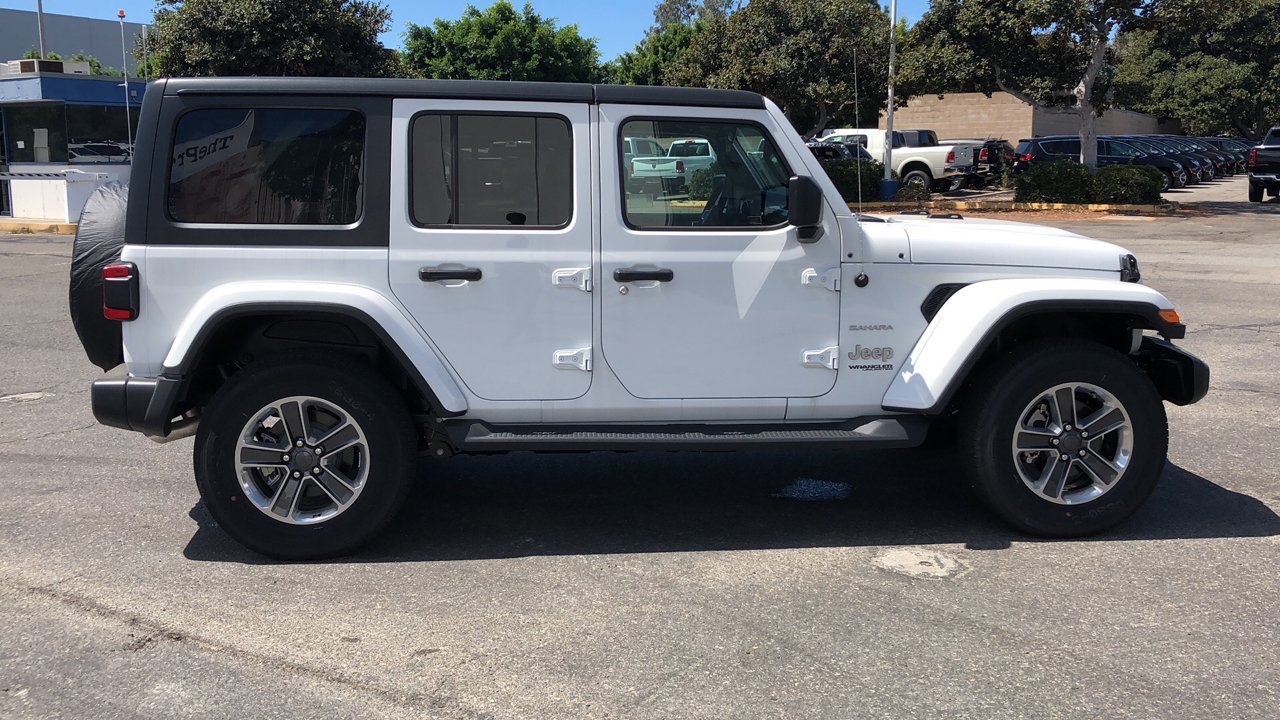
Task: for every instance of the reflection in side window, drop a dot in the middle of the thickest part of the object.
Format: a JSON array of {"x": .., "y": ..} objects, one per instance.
[
  {"x": 491, "y": 170},
  {"x": 712, "y": 175},
  {"x": 281, "y": 166}
]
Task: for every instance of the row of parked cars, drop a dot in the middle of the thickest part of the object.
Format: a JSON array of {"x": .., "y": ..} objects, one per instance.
[{"x": 1181, "y": 160}]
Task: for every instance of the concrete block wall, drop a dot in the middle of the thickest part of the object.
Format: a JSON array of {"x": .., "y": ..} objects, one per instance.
[
  {"x": 966, "y": 115},
  {"x": 974, "y": 115}
]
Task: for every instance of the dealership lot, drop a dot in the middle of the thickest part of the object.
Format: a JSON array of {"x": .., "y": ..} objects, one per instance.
[{"x": 650, "y": 585}]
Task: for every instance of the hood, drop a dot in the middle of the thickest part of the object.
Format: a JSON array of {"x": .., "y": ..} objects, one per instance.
[{"x": 1004, "y": 243}]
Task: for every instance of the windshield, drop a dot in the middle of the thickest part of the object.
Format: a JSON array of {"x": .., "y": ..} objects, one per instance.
[
  {"x": 690, "y": 148},
  {"x": 1146, "y": 147}
]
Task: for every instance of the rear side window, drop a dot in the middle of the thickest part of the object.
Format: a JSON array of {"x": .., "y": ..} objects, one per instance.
[
  {"x": 268, "y": 166},
  {"x": 1273, "y": 137},
  {"x": 491, "y": 170}
]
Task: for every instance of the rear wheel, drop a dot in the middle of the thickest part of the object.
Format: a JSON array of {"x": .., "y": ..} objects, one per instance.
[
  {"x": 1255, "y": 193},
  {"x": 1067, "y": 438},
  {"x": 302, "y": 461},
  {"x": 919, "y": 178}
]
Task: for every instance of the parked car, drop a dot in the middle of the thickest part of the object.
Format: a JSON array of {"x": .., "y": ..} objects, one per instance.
[
  {"x": 1238, "y": 151},
  {"x": 934, "y": 167},
  {"x": 992, "y": 159},
  {"x": 1215, "y": 161},
  {"x": 673, "y": 171},
  {"x": 335, "y": 294},
  {"x": 1264, "y": 167},
  {"x": 1111, "y": 151},
  {"x": 1199, "y": 168},
  {"x": 838, "y": 151}
]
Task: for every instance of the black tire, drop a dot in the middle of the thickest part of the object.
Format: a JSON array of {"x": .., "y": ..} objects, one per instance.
[
  {"x": 918, "y": 177},
  {"x": 999, "y": 398},
  {"x": 367, "y": 399},
  {"x": 1255, "y": 193}
]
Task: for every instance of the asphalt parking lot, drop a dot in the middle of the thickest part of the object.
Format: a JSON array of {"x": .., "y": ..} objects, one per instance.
[{"x": 649, "y": 585}]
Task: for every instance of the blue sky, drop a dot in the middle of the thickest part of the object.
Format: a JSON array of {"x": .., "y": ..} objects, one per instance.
[{"x": 618, "y": 26}]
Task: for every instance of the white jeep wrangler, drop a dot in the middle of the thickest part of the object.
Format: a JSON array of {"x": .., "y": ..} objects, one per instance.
[{"x": 324, "y": 279}]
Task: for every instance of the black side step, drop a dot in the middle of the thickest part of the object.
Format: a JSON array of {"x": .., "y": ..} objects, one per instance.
[{"x": 477, "y": 436}]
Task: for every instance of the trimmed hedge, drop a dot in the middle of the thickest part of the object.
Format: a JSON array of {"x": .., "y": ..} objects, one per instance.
[
  {"x": 1067, "y": 181},
  {"x": 1128, "y": 185},
  {"x": 844, "y": 175},
  {"x": 700, "y": 185},
  {"x": 1062, "y": 181}
]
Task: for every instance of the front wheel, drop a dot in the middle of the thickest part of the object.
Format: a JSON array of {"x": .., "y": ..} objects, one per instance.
[
  {"x": 1255, "y": 193},
  {"x": 1066, "y": 438},
  {"x": 301, "y": 461}
]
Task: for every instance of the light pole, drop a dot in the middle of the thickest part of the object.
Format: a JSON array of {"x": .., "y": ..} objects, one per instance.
[
  {"x": 889, "y": 187},
  {"x": 124, "y": 65},
  {"x": 40, "y": 25}
]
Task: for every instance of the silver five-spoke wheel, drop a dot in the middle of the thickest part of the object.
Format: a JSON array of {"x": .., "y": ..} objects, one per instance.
[
  {"x": 302, "y": 460},
  {"x": 1072, "y": 443}
]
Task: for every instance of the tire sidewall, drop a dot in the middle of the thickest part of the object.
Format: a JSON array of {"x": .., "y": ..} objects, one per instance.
[
  {"x": 995, "y": 475},
  {"x": 365, "y": 397}
]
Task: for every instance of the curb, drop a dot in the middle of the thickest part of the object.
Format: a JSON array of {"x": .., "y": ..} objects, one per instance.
[
  {"x": 23, "y": 226},
  {"x": 1009, "y": 205}
]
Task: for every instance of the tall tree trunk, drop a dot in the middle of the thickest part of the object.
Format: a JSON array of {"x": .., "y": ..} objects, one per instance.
[
  {"x": 1084, "y": 98},
  {"x": 1088, "y": 138}
]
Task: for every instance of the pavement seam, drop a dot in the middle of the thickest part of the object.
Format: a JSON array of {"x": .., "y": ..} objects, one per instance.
[{"x": 417, "y": 702}]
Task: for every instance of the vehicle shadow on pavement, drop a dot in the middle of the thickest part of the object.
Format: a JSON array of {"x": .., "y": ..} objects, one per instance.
[
  {"x": 529, "y": 505},
  {"x": 1210, "y": 207}
]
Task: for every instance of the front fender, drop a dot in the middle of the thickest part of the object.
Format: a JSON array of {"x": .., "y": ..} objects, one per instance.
[
  {"x": 378, "y": 312},
  {"x": 971, "y": 318}
]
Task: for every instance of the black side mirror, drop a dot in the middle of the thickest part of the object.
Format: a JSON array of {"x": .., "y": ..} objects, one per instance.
[{"x": 804, "y": 207}]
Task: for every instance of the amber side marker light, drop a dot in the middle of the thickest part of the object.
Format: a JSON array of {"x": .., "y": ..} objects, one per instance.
[{"x": 1170, "y": 316}]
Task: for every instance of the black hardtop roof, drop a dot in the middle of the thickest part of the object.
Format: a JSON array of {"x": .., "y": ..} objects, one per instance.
[{"x": 465, "y": 90}]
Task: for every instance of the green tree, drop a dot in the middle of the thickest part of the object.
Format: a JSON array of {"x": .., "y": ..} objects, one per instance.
[
  {"x": 500, "y": 43},
  {"x": 685, "y": 12},
  {"x": 270, "y": 37},
  {"x": 647, "y": 64},
  {"x": 802, "y": 54},
  {"x": 1055, "y": 55},
  {"x": 1215, "y": 80}
]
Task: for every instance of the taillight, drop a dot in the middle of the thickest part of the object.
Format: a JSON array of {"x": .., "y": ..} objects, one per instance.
[
  {"x": 633, "y": 167},
  {"x": 1253, "y": 157},
  {"x": 679, "y": 166},
  {"x": 951, "y": 156},
  {"x": 983, "y": 155},
  {"x": 120, "y": 291},
  {"x": 1026, "y": 157}
]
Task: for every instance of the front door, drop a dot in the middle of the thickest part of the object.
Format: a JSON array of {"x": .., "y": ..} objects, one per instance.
[
  {"x": 710, "y": 294},
  {"x": 491, "y": 241}
]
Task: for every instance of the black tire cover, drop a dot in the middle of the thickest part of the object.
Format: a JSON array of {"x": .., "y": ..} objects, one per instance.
[{"x": 99, "y": 237}]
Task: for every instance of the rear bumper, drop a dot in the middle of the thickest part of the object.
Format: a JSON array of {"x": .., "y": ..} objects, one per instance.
[
  {"x": 1181, "y": 378},
  {"x": 1264, "y": 180},
  {"x": 145, "y": 405}
]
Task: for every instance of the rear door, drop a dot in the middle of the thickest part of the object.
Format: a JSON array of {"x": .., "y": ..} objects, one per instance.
[
  {"x": 710, "y": 294},
  {"x": 491, "y": 240}
]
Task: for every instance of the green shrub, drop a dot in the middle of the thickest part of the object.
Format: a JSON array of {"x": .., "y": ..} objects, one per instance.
[
  {"x": 700, "y": 185},
  {"x": 845, "y": 176},
  {"x": 1067, "y": 181},
  {"x": 1061, "y": 181},
  {"x": 1127, "y": 184}
]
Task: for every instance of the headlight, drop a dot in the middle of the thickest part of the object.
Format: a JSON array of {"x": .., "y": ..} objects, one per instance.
[{"x": 1129, "y": 271}]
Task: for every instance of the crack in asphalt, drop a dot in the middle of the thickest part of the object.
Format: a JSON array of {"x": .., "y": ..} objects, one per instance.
[{"x": 159, "y": 632}]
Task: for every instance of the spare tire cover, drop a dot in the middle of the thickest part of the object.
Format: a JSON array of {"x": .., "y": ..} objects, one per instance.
[{"x": 99, "y": 237}]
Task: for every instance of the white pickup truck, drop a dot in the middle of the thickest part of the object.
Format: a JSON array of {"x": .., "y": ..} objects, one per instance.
[
  {"x": 675, "y": 169},
  {"x": 935, "y": 167}
]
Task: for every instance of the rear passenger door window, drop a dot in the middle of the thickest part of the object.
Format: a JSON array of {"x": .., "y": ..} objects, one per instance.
[
  {"x": 486, "y": 170},
  {"x": 267, "y": 166}
]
